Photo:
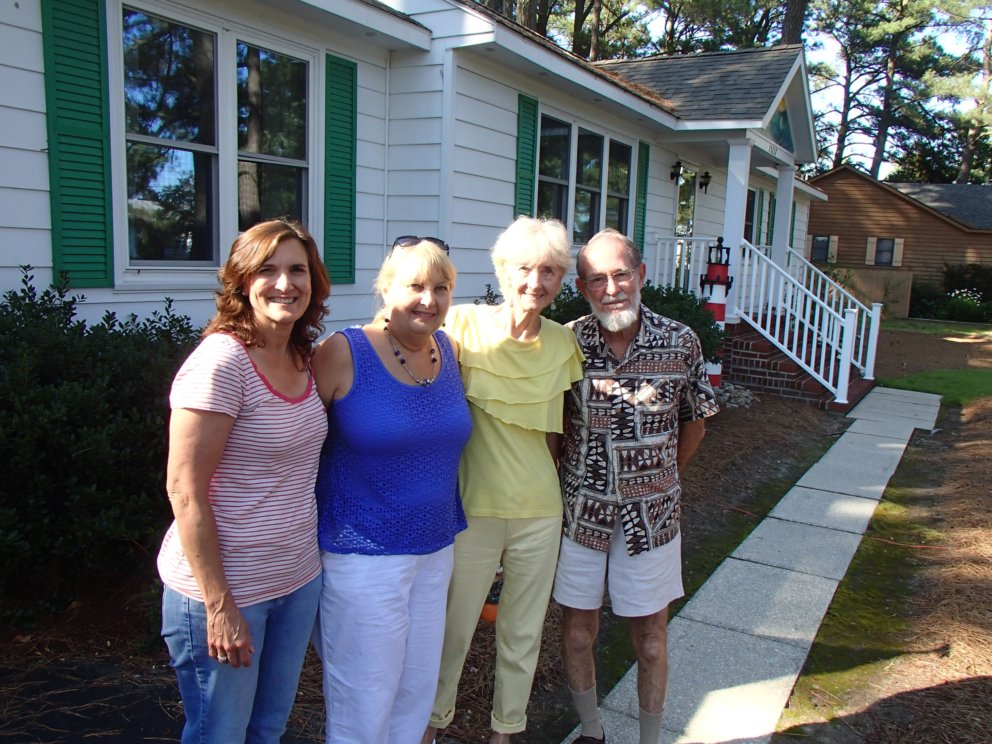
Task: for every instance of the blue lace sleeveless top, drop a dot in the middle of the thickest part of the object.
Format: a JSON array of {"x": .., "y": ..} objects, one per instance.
[{"x": 388, "y": 478}]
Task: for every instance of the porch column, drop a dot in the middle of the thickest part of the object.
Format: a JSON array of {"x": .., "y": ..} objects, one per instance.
[
  {"x": 784, "y": 193},
  {"x": 738, "y": 168}
]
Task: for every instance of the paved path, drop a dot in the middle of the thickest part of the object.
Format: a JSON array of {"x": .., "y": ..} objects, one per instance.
[{"x": 737, "y": 647}]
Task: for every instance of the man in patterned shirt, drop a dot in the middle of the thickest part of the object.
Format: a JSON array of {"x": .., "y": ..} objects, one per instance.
[{"x": 631, "y": 425}]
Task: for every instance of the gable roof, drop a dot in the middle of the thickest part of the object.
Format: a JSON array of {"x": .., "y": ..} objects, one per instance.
[
  {"x": 968, "y": 203},
  {"x": 743, "y": 84}
]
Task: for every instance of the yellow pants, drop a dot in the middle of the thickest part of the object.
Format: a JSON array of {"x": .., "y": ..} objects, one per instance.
[{"x": 528, "y": 550}]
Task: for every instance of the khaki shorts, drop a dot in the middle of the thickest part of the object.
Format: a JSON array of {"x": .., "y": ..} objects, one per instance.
[{"x": 638, "y": 585}]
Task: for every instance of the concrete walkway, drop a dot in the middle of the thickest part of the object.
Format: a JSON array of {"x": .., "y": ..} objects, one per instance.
[{"x": 738, "y": 646}]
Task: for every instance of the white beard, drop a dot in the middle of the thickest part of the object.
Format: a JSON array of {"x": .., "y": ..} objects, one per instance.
[{"x": 617, "y": 320}]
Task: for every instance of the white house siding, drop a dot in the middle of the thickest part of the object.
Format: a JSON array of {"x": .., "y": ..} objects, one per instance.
[
  {"x": 484, "y": 159},
  {"x": 24, "y": 206},
  {"x": 25, "y": 221}
]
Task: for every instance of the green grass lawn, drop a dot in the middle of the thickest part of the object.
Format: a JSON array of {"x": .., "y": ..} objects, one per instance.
[
  {"x": 939, "y": 327},
  {"x": 956, "y": 386}
]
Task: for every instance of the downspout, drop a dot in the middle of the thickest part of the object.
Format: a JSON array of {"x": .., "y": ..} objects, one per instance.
[
  {"x": 385, "y": 165},
  {"x": 448, "y": 93}
]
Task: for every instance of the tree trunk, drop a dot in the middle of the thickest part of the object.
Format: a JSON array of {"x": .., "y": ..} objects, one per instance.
[
  {"x": 845, "y": 114},
  {"x": 579, "y": 47},
  {"x": 795, "y": 20},
  {"x": 885, "y": 115},
  {"x": 527, "y": 13},
  {"x": 597, "y": 14},
  {"x": 976, "y": 130}
]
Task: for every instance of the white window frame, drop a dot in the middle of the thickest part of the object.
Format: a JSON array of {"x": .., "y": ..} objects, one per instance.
[
  {"x": 227, "y": 31},
  {"x": 574, "y": 125}
]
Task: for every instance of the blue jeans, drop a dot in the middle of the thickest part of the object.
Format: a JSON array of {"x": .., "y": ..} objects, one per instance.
[{"x": 248, "y": 704}]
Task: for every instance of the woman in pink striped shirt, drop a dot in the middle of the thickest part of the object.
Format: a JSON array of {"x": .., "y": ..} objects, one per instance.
[{"x": 240, "y": 562}]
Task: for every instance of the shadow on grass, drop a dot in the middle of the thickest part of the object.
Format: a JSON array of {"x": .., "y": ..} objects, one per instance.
[{"x": 952, "y": 713}]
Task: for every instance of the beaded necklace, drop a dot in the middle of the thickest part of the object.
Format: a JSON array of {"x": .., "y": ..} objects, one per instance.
[{"x": 399, "y": 355}]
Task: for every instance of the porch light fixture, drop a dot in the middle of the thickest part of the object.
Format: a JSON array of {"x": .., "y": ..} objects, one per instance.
[
  {"x": 704, "y": 181},
  {"x": 676, "y": 170}
]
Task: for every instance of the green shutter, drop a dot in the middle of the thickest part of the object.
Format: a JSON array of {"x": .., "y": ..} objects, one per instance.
[
  {"x": 523, "y": 193},
  {"x": 340, "y": 142},
  {"x": 641, "y": 199},
  {"x": 770, "y": 236},
  {"x": 792, "y": 226},
  {"x": 75, "y": 49}
]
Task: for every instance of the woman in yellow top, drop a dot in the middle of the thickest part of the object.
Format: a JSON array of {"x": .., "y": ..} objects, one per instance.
[{"x": 516, "y": 367}]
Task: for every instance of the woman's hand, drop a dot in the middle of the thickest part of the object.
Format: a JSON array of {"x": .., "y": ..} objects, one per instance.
[{"x": 228, "y": 634}]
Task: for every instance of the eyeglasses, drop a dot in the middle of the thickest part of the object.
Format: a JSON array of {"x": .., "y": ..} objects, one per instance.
[
  {"x": 597, "y": 282},
  {"x": 408, "y": 241}
]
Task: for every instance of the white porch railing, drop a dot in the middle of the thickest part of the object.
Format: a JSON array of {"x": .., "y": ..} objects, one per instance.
[
  {"x": 840, "y": 300},
  {"x": 806, "y": 314},
  {"x": 680, "y": 262}
]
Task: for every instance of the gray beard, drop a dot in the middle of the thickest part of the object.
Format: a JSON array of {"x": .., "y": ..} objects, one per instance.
[{"x": 617, "y": 320}]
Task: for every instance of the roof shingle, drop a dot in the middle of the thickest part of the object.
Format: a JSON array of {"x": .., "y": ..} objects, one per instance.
[
  {"x": 733, "y": 85},
  {"x": 968, "y": 203}
]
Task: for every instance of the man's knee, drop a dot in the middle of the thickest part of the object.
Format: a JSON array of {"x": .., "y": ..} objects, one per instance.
[
  {"x": 650, "y": 638},
  {"x": 579, "y": 629}
]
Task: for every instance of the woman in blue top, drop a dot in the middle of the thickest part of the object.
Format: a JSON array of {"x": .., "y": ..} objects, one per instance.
[{"x": 387, "y": 499}]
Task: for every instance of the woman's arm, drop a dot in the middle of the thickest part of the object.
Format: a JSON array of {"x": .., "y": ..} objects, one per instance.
[
  {"x": 333, "y": 369},
  {"x": 196, "y": 443}
]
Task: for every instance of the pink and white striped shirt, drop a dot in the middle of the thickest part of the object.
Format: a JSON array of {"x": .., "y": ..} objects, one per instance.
[{"x": 262, "y": 492}]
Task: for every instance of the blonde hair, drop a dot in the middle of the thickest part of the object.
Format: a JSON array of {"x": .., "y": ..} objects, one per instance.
[
  {"x": 415, "y": 264},
  {"x": 529, "y": 240}
]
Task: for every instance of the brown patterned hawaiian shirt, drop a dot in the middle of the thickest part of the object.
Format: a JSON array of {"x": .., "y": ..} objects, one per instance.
[{"x": 621, "y": 433}]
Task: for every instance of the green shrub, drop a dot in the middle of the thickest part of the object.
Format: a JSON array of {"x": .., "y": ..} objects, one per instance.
[
  {"x": 965, "y": 305},
  {"x": 567, "y": 306},
  {"x": 83, "y": 416},
  {"x": 926, "y": 300},
  {"x": 672, "y": 302},
  {"x": 969, "y": 276}
]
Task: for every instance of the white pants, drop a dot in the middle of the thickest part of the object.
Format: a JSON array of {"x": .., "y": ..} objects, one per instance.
[{"x": 382, "y": 626}]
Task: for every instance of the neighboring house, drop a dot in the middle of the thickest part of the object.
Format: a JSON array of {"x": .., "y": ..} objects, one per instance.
[
  {"x": 137, "y": 138},
  {"x": 888, "y": 236}
]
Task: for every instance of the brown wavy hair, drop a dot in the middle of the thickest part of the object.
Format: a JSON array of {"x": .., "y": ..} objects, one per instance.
[{"x": 249, "y": 252}]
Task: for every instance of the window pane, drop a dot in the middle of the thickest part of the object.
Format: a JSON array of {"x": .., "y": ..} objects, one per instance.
[
  {"x": 618, "y": 177},
  {"x": 687, "y": 204},
  {"x": 168, "y": 79},
  {"x": 590, "y": 158},
  {"x": 883, "y": 251},
  {"x": 266, "y": 191},
  {"x": 554, "y": 161},
  {"x": 169, "y": 204},
  {"x": 272, "y": 103},
  {"x": 586, "y": 215},
  {"x": 551, "y": 199},
  {"x": 616, "y": 213},
  {"x": 820, "y": 250}
]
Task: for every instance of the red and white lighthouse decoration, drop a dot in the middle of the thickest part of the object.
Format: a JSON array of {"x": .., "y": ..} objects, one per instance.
[{"x": 715, "y": 285}]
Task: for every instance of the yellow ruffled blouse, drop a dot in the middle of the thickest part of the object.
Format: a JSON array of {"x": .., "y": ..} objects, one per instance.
[{"x": 515, "y": 391}]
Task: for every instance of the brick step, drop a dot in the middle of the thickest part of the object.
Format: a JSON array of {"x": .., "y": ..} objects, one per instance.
[{"x": 751, "y": 360}]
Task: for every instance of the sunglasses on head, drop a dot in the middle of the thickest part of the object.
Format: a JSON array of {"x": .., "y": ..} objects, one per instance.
[{"x": 408, "y": 241}]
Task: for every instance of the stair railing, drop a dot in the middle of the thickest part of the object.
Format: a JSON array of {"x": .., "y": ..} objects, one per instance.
[
  {"x": 841, "y": 300},
  {"x": 806, "y": 328}
]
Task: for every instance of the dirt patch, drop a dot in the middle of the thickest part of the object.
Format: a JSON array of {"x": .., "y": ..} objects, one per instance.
[{"x": 905, "y": 352}]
